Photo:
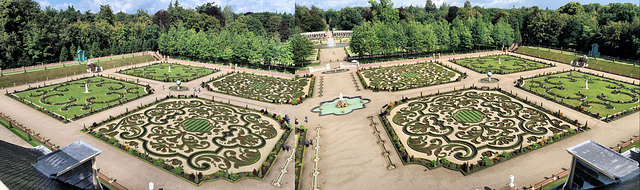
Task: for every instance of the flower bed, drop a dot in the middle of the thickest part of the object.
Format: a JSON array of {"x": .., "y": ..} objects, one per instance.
[
  {"x": 435, "y": 138},
  {"x": 155, "y": 133},
  {"x": 405, "y": 77},
  {"x": 160, "y": 72},
  {"x": 263, "y": 88},
  {"x": 300, "y": 148},
  {"x": 500, "y": 64}
]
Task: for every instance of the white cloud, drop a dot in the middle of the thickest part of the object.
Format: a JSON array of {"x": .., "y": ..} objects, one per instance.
[{"x": 44, "y": 4}]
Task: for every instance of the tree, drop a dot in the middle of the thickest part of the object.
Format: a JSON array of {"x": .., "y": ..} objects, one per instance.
[
  {"x": 384, "y": 11},
  {"x": 64, "y": 53},
  {"x": 161, "y": 18},
  {"x": 211, "y": 9},
  {"x": 572, "y": 8},
  {"x": 105, "y": 14},
  {"x": 349, "y": 17},
  {"x": 302, "y": 47},
  {"x": 430, "y": 7},
  {"x": 467, "y": 5}
]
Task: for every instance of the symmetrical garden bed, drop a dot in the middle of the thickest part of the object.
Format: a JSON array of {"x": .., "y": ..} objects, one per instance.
[
  {"x": 471, "y": 129},
  {"x": 198, "y": 140},
  {"x": 409, "y": 76},
  {"x": 161, "y": 72},
  {"x": 300, "y": 148},
  {"x": 263, "y": 88},
  {"x": 605, "y": 98},
  {"x": 69, "y": 101},
  {"x": 500, "y": 64}
]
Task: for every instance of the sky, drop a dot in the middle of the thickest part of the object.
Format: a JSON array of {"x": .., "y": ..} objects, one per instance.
[
  {"x": 551, "y": 4},
  {"x": 153, "y": 6}
]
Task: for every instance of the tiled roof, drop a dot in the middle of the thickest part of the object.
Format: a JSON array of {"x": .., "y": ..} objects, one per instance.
[{"x": 16, "y": 171}]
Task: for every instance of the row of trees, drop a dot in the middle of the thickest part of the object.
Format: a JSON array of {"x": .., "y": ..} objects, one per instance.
[
  {"x": 615, "y": 26},
  {"x": 31, "y": 36},
  {"x": 226, "y": 46},
  {"x": 388, "y": 38}
]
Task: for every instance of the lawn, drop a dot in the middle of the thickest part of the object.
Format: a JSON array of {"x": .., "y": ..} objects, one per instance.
[
  {"x": 500, "y": 64},
  {"x": 408, "y": 76},
  {"x": 169, "y": 72},
  {"x": 42, "y": 75},
  {"x": 69, "y": 100},
  {"x": 566, "y": 57},
  {"x": 604, "y": 97}
]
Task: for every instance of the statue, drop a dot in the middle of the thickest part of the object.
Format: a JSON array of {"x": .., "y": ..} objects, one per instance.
[
  {"x": 499, "y": 62},
  {"x": 341, "y": 102},
  {"x": 169, "y": 68},
  {"x": 586, "y": 84},
  {"x": 86, "y": 88},
  {"x": 93, "y": 67},
  {"x": 511, "y": 179},
  {"x": 580, "y": 61},
  {"x": 81, "y": 56}
]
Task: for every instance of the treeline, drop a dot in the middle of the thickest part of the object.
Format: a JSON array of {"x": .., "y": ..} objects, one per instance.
[
  {"x": 31, "y": 36},
  {"x": 615, "y": 26}
]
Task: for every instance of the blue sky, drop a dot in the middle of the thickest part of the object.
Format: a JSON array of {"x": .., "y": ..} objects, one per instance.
[
  {"x": 152, "y": 6},
  {"x": 551, "y": 4}
]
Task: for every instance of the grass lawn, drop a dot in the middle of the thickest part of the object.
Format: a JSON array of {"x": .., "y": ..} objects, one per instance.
[
  {"x": 20, "y": 133},
  {"x": 29, "y": 77},
  {"x": 604, "y": 96},
  {"x": 69, "y": 99},
  {"x": 567, "y": 57},
  {"x": 500, "y": 64},
  {"x": 554, "y": 183},
  {"x": 160, "y": 72}
]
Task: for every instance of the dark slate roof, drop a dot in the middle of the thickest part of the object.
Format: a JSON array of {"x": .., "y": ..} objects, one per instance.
[
  {"x": 71, "y": 164},
  {"x": 604, "y": 159},
  {"x": 60, "y": 161},
  {"x": 16, "y": 171}
]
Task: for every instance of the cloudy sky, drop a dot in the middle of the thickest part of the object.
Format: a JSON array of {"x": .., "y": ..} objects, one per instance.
[
  {"x": 152, "y": 6},
  {"x": 551, "y": 4}
]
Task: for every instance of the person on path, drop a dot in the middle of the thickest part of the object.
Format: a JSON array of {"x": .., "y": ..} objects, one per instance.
[{"x": 306, "y": 119}]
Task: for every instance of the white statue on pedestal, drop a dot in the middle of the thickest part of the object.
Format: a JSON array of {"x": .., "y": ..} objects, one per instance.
[
  {"x": 511, "y": 179},
  {"x": 499, "y": 62},
  {"x": 169, "y": 68},
  {"x": 341, "y": 98},
  {"x": 586, "y": 84},
  {"x": 86, "y": 88}
]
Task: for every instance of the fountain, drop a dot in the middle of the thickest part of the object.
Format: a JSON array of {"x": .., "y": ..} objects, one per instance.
[
  {"x": 178, "y": 88},
  {"x": 489, "y": 79},
  {"x": 330, "y": 42},
  {"x": 86, "y": 88},
  {"x": 341, "y": 105}
]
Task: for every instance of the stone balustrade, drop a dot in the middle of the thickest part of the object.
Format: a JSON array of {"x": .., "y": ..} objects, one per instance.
[
  {"x": 316, "y": 172},
  {"x": 283, "y": 170}
]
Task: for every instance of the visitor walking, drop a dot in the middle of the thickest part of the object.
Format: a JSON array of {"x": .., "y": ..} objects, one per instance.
[{"x": 306, "y": 119}]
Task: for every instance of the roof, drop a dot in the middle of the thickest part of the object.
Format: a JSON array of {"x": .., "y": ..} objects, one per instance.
[
  {"x": 62, "y": 160},
  {"x": 603, "y": 159},
  {"x": 18, "y": 173}
]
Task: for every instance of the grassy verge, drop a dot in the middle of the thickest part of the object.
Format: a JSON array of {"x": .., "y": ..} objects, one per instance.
[
  {"x": 599, "y": 64},
  {"x": 554, "y": 183},
  {"x": 107, "y": 184},
  {"x": 635, "y": 144},
  {"x": 23, "y": 135},
  {"x": 29, "y": 77}
]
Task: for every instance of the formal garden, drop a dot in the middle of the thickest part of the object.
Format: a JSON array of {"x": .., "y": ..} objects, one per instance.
[
  {"x": 596, "y": 96},
  {"x": 500, "y": 64},
  {"x": 169, "y": 72},
  {"x": 263, "y": 88},
  {"x": 403, "y": 77},
  {"x": 198, "y": 140},
  {"x": 78, "y": 98},
  {"x": 469, "y": 130}
]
